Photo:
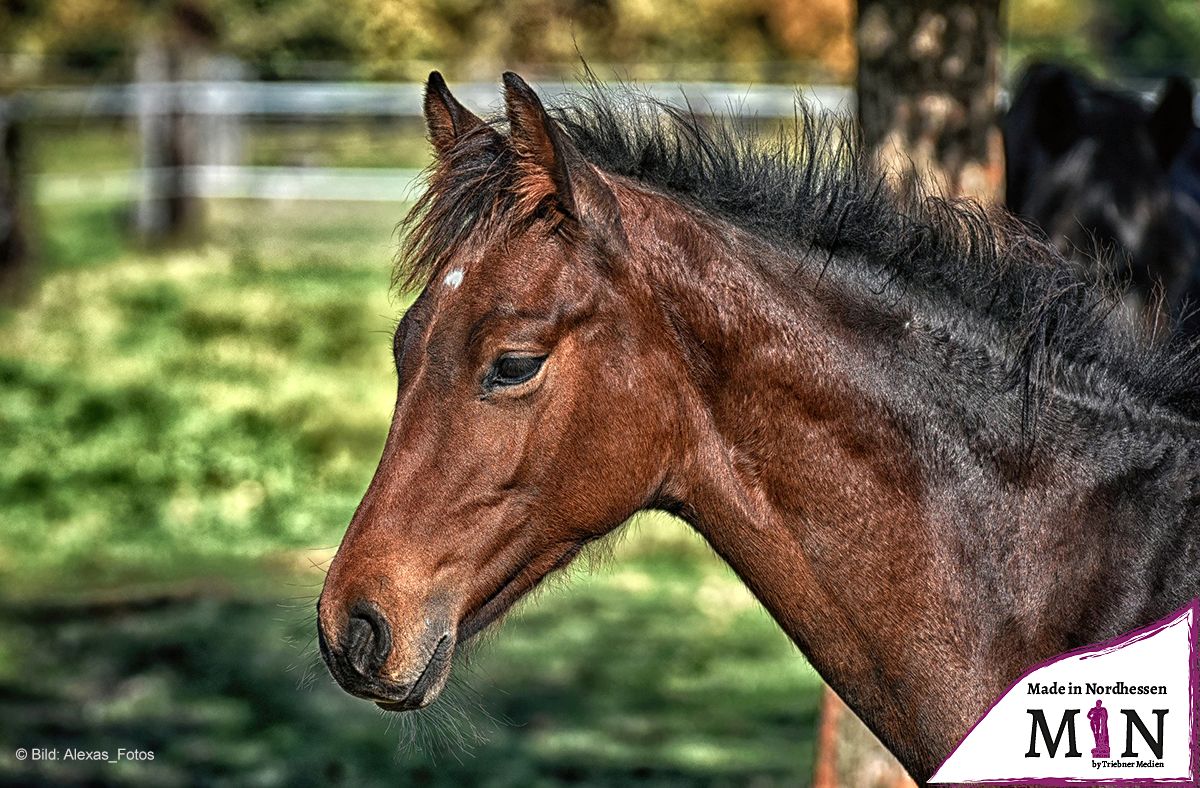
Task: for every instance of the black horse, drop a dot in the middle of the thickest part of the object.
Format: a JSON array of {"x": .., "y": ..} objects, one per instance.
[{"x": 1109, "y": 179}]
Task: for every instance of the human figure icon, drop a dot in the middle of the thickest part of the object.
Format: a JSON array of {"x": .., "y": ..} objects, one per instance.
[{"x": 1098, "y": 717}]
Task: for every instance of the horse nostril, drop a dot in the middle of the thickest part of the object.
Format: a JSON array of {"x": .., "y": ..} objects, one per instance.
[{"x": 368, "y": 639}]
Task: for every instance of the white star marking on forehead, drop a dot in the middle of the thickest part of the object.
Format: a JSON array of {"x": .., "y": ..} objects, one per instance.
[{"x": 453, "y": 279}]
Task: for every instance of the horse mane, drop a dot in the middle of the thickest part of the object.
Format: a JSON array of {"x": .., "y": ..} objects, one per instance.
[{"x": 813, "y": 188}]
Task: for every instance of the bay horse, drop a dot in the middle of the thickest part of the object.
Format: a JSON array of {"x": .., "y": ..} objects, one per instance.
[{"x": 930, "y": 448}]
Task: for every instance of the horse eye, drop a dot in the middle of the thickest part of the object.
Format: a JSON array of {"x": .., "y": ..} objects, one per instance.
[{"x": 511, "y": 370}]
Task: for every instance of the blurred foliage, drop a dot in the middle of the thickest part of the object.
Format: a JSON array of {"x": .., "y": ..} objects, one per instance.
[
  {"x": 756, "y": 39},
  {"x": 87, "y": 35},
  {"x": 277, "y": 38},
  {"x": 98, "y": 38},
  {"x": 1050, "y": 28},
  {"x": 1150, "y": 37},
  {"x": 762, "y": 40},
  {"x": 781, "y": 40},
  {"x": 1134, "y": 38}
]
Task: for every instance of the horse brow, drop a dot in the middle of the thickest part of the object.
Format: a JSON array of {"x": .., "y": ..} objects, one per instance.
[{"x": 507, "y": 312}]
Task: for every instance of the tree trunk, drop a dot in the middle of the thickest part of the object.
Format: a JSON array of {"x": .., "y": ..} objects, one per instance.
[
  {"x": 928, "y": 80},
  {"x": 849, "y": 755},
  {"x": 176, "y": 134},
  {"x": 15, "y": 254},
  {"x": 166, "y": 210}
]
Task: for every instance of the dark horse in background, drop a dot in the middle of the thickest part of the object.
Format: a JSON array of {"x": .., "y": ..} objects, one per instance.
[
  {"x": 926, "y": 444},
  {"x": 1111, "y": 181}
]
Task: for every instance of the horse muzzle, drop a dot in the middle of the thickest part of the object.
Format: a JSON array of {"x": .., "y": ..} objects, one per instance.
[{"x": 368, "y": 658}]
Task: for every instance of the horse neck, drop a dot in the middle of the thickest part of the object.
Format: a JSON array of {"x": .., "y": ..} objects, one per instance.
[{"x": 871, "y": 496}]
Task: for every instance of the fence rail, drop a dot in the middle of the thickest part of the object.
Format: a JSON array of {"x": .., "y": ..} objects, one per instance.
[
  {"x": 353, "y": 99},
  {"x": 335, "y": 184},
  {"x": 212, "y": 111},
  {"x": 226, "y": 102}
]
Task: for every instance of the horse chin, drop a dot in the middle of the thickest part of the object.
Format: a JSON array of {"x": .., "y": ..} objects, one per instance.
[
  {"x": 502, "y": 600},
  {"x": 413, "y": 704},
  {"x": 429, "y": 684}
]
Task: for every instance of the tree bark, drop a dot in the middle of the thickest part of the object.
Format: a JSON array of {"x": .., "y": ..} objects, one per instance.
[
  {"x": 166, "y": 210},
  {"x": 16, "y": 258},
  {"x": 174, "y": 136},
  {"x": 928, "y": 81},
  {"x": 849, "y": 755},
  {"x": 927, "y": 87}
]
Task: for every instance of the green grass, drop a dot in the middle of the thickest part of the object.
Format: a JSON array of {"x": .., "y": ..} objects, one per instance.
[
  {"x": 75, "y": 148},
  {"x": 659, "y": 671},
  {"x": 384, "y": 143},
  {"x": 224, "y": 402},
  {"x": 81, "y": 235},
  {"x": 67, "y": 148},
  {"x": 183, "y": 433}
]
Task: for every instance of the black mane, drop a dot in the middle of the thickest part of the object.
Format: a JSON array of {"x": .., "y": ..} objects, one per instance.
[{"x": 813, "y": 189}]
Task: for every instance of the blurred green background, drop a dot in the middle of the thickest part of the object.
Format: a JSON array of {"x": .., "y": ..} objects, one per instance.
[
  {"x": 186, "y": 429},
  {"x": 185, "y": 435}
]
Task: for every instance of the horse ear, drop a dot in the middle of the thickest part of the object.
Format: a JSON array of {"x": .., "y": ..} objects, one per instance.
[
  {"x": 1172, "y": 121},
  {"x": 553, "y": 168},
  {"x": 447, "y": 120},
  {"x": 1058, "y": 122}
]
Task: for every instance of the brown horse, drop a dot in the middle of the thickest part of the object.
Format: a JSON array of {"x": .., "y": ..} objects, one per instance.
[{"x": 933, "y": 453}]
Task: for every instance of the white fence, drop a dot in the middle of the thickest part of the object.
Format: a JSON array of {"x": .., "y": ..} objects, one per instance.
[
  {"x": 365, "y": 184},
  {"x": 231, "y": 101},
  {"x": 355, "y": 99}
]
